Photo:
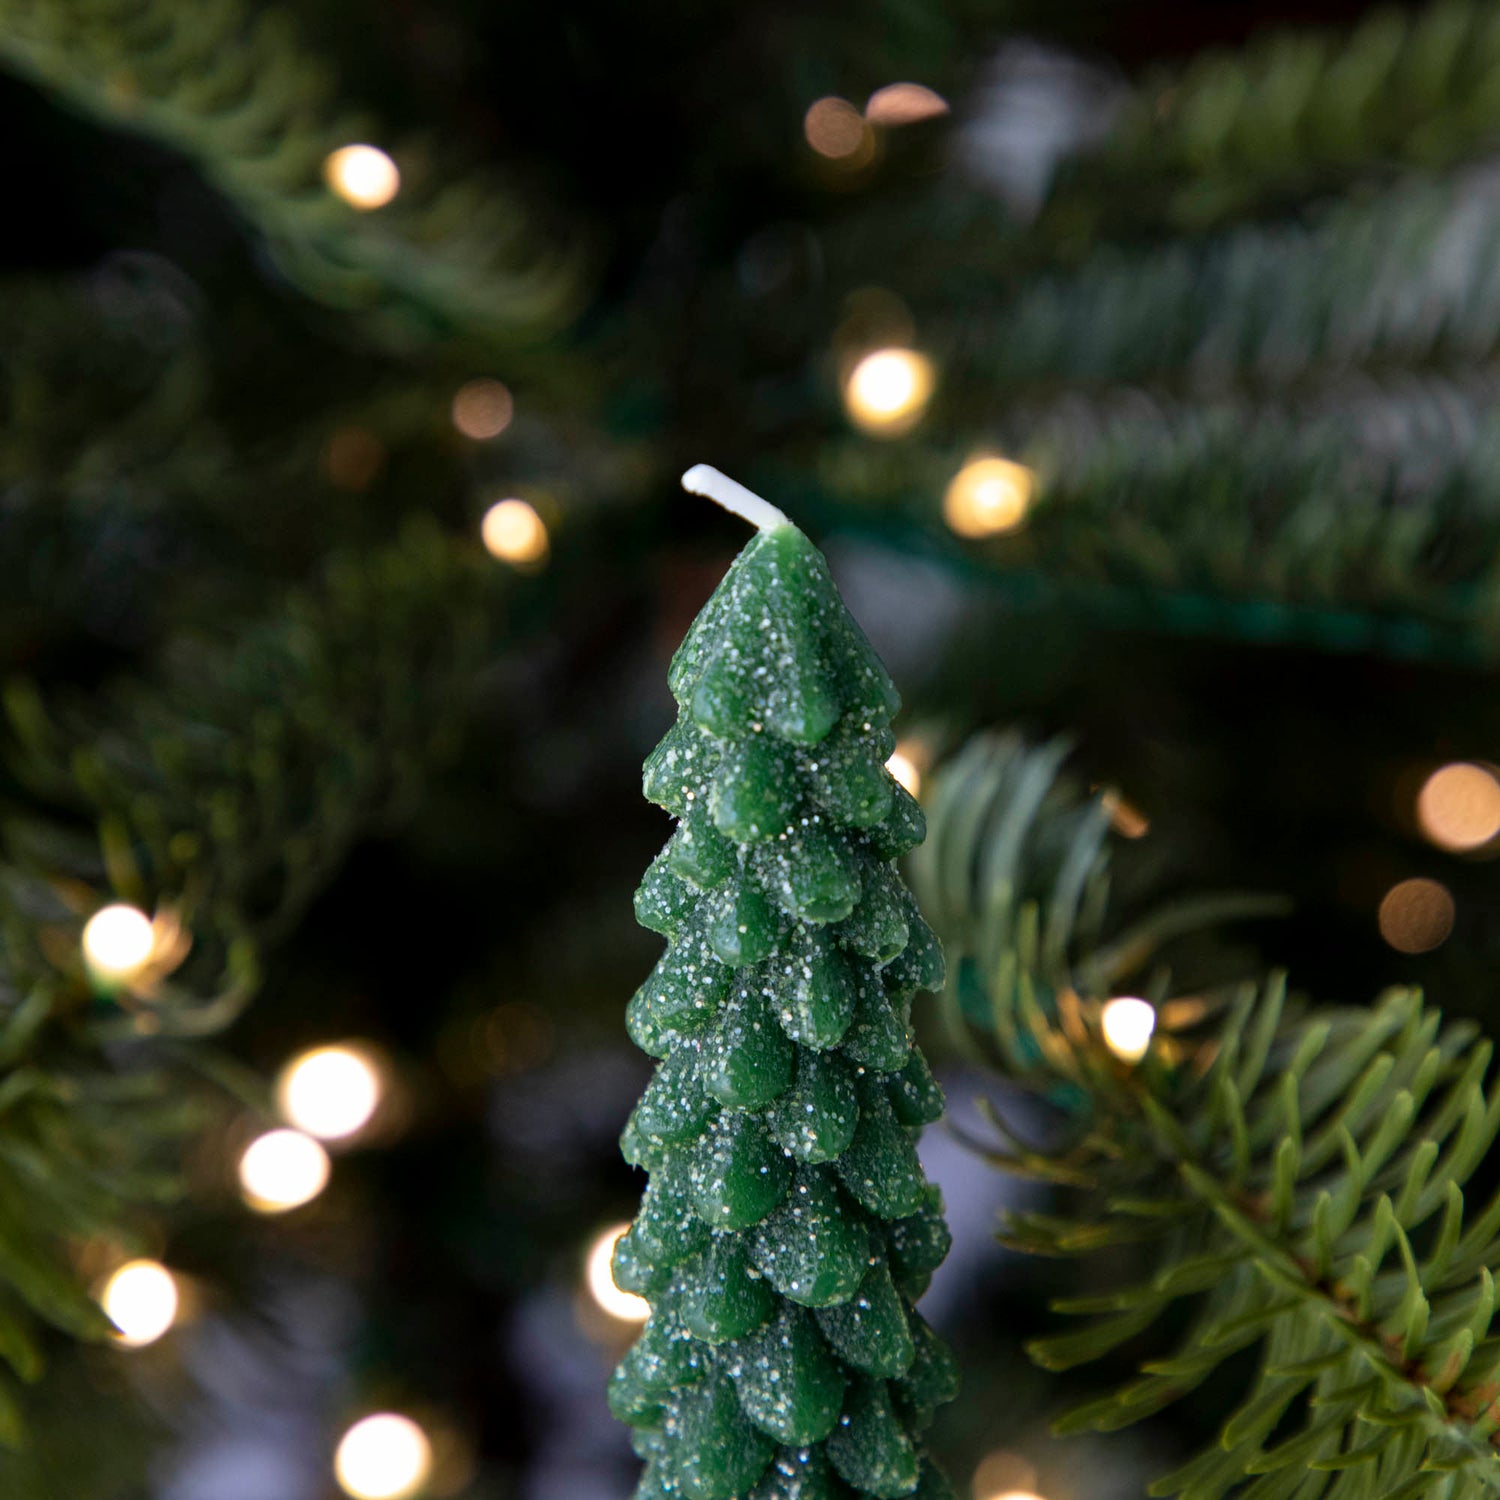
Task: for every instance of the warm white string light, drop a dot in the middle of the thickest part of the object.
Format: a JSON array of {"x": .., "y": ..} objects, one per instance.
[
  {"x": 118, "y": 941},
  {"x": 513, "y": 532},
  {"x": 905, "y": 765},
  {"x": 383, "y": 1457},
  {"x": 601, "y": 1280},
  {"x": 142, "y": 1301},
  {"x": 1128, "y": 1023},
  {"x": 282, "y": 1170},
  {"x": 988, "y": 496},
  {"x": 330, "y": 1092},
  {"x": 364, "y": 176},
  {"x": 888, "y": 390}
]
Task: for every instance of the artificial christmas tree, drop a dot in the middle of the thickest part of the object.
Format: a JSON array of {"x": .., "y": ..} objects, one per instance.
[{"x": 787, "y": 1228}]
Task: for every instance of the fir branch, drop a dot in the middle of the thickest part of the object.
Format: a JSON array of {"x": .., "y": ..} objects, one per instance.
[
  {"x": 1297, "y": 1173},
  {"x": 232, "y": 89},
  {"x": 237, "y": 778},
  {"x": 1403, "y": 282},
  {"x": 224, "y": 793},
  {"x": 1366, "y": 517},
  {"x": 1292, "y": 114}
]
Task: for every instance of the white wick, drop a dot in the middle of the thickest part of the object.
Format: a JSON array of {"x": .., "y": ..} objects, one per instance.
[{"x": 704, "y": 479}]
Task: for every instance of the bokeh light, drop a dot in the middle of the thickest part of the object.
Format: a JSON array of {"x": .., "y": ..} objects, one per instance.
[
  {"x": 1124, "y": 816},
  {"x": 905, "y": 766},
  {"x": 282, "y": 1170},
  {"x": 363, "y": 176},
  {"x": 887, "y": 391},
  {"x": 1458, "y": 807},
  {"x": 1004, "y": 1475},
  {"x": 1127, "y": 1023},
  {"x": 988, "y": 496},
  {"x": 383, "y": 1457},
  {"x": 118, "y": 941},
  {"x": 353, "y": 457},
  {"x": 482, "y": 409},
  {"x": 1416, "y": 915},
  {"x": 330, "y": 1092},
  {"x": 601, "y": 1280},
  {"x": 835, "y": 129},
  {"x": 513, "y": 532},
  {"x": 904, "y": 104},
  {"x": 141, "y": 1300}
]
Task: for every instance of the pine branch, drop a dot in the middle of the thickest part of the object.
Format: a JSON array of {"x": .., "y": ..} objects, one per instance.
[
  {"x": 236, "y": 779},
  {"x": 1291, "y": 115},
  {"x": 1298, "y": 1174},
  {"x": 224, "y": 793},
  {"x": 231, "y": 89},
  {"x": 1402, "y": 282}
]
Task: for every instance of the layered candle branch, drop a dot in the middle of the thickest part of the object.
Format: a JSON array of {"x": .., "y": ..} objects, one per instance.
[{"x": 787, "y": 1227}]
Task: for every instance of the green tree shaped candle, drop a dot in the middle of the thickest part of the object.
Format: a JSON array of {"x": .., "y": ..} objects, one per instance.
[{"x": 787, "y": 1227}]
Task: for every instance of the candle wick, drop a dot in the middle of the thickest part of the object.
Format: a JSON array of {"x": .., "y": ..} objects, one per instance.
[{"x": 704, "y": 479}]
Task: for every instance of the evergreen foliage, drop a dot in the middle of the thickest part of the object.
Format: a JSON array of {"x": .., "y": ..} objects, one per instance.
[
  {"x": 1294, "y": 114},
  {"x": 787, "y": 1227},
  {"x": 225, "y": 792},
  {"x": 1295, "y": 1171},
  {"x": 232, "y": 88}
]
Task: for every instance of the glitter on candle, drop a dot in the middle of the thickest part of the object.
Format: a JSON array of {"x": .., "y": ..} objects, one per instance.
[
  {"x": 118, "y": 942},
  {"x": 482, "y": 409},
  {"x": 1416, "y": 916},
  {"x": 330, "y": 1092},
  {"x": 601, "y": 1280},
  {"x": 988, "y": 496},
  {"x": 363, "y": 176},
  {"x": 888, "y": 391},
  {"x": 1127, "y": 1024},
  {"x": 515, "y": 533},
  {"x": 1458, "y": 807},
  {"x": 141, "y": 1300},
  {"x": 282, "y": 1170},
  {"x": 383, "y": 1457}
]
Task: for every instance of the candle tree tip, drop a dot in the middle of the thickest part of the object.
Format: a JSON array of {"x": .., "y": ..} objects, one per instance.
[{"x": 704, "y": 479}]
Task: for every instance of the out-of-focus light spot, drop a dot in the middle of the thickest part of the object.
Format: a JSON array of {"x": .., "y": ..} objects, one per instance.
[
  {"x": 601, "y": 1280},
  {"x": 1003, "y": 1475},
  {"x": 904, "y": 104},
  {"x": 1127, "y": 1024},
  {"x": 118, "y": 941},
  {"x": 141, "y": 1300},
  {"x": 482, "y": 409},
  {"x": 282, "y": 1170},
  {"x": 1459, "y": 807},
  {"x": 330, "y": 1092},
  {"x": 516, "y": 1035},
  {"x": 353, "y": 458},
  {"x": 515, "y": 533},
  {"x": 1416, "y": 915},
  {"x": 384, "y": 1457},
  {"x": 887, "y": 391},
  {"x": 903, "y": 765},
  {"x": 1125, "y": 817},
  {"x": 363, "y": 176},
  {"x": 835, "y": 129},
  {"x": 988, "y": 496}
]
